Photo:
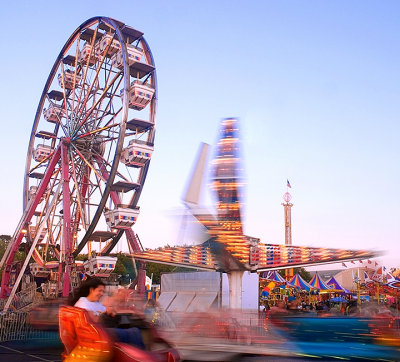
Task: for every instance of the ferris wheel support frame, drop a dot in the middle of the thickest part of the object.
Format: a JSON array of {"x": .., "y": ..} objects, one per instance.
[
  {"x": 26, "y": 217},
  {"x": 32, "y": 248},
  {"x": 66, "y": 235},
  {"x": 133, "y": 244}
]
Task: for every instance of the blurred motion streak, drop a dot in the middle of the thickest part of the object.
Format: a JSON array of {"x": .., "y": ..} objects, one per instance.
[{"x": 228, "y": 249}]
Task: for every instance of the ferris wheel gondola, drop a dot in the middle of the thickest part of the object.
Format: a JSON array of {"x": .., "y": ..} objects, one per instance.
[{"x": 90, "y": 148}]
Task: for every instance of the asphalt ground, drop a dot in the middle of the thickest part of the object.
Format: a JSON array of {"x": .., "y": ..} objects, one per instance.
[
  {"x": 22, "y": 352},
  {"x": 28, "y": 352}
]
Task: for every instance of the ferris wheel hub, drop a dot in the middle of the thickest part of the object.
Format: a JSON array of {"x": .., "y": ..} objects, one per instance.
[{"x": 66, "y": 140}]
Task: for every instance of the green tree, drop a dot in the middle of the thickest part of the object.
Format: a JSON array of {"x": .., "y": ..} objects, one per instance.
[
  {"x": 4, "y": 242},
  {"x": 157, "y": 269},
  {"x": 81, "y": 257},
  {"x": 302, "y": 272},
  {"x": 126, "y": 261},
  {"x": 120, "y": 268}
]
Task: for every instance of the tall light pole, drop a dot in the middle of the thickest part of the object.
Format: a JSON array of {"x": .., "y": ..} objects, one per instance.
[{"x": 287, "y": 206}]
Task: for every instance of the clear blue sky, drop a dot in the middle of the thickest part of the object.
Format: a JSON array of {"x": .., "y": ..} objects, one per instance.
[{"x": 314, "y": 83}]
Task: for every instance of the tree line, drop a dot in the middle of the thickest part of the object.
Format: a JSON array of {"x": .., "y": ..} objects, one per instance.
[{"x": 124, "y": 266}]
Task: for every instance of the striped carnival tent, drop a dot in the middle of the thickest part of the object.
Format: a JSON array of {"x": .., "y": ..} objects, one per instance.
[
  {"x": 298, "y": 282},
  {"x": 317, "y": 283},
  {"x": 274, "y": 276},
  {"x": 334, "y": 286},
  {"x": 267, "y": 290}
]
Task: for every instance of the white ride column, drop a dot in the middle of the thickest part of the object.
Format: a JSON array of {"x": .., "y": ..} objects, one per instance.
[{"x": 235, "y": 289}]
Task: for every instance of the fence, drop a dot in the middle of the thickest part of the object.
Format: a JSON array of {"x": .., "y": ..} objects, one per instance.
[
  {"x": 14, "y": 327},
  {"x": 21, "y": 299}
]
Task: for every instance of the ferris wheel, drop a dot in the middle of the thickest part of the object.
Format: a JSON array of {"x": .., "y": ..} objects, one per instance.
[{"x": 89, "y": 151}]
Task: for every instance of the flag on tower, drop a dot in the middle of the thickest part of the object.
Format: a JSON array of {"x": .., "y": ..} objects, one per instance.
[{"x": 288, "y": 184}]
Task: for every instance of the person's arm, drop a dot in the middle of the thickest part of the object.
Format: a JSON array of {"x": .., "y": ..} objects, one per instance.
[{"x": 108, "y": 303}]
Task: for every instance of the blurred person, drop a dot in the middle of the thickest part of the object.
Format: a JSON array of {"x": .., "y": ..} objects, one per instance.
[
  {"x": 152, "y": 311},
  {"x": 294, "y": 305},
  {"x": 120, "y": 301},
  {"x": 351, "y": 308},
  {"x": 88, "y": 298},
  {"x": 279, "y": 308},
  {"x": 319, "y": 307}
]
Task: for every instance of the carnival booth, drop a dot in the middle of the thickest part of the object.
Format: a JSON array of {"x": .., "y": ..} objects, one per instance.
[
  {"x": 298, "y": 282},
  {"x": 317, "y": 283},
  {"x": 322, "y": 291},
  {"x": 335, "y": 287},
  {"x": 272, "y": 288}
]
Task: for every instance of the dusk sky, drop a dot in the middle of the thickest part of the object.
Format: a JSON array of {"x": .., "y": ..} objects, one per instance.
[{"x": 315, "y": 84}]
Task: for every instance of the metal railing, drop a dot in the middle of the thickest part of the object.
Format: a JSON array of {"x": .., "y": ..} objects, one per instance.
[
  {"x": 21, "y": 299},
  {"x": 14, "y": 327}
]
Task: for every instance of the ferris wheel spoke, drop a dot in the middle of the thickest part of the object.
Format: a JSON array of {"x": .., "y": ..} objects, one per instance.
[
  {"x": 91, "y": 187},
  {"x": 41, "y": 163},
  {"x": 87, "y": 162},
  {"x": 97, "y": 102},
  {"x": 52, "y": 104},
  {"x": 79, "y": 213},
  {"x": 46, "y": 201},
  {"x": 94, "y": 81},
  {"x": 50, "y": 224},
  {"x": 90, "y": 133},
  {"x": 102, "y": 162},
  {"x": 75, "y": 74},
  {"x": 79, "y": 200},
  {"x": 83, "y": 81},
  {"x": 92, "y": 96},
  {"x": 62, "y": 82},
  {"x": 109, "y": 104},
  {"x": 114, "y": 116}
]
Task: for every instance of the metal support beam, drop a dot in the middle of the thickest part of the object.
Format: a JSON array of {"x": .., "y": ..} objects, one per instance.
[
  {"x": 66, "y": 235},
  {"x": 25, "y": 219},
  {"x": 28, "y": 257}
]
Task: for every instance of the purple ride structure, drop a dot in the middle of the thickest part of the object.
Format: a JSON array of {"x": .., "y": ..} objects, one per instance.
[{"x": 88, "y": 156}]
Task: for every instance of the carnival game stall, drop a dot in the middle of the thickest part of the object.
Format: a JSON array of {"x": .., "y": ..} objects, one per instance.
[
  {"x": 317, "y": 283},
  {"x": 272, "y": 288},
  {"x": 335, "y": 287}
]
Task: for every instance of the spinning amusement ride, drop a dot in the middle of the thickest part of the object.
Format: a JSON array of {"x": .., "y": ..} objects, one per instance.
[
  {"x": 88, "y": 156},
  {"x": 228, "y": 249}
]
